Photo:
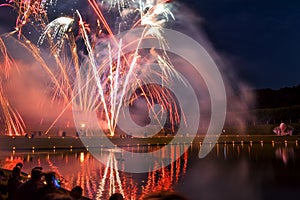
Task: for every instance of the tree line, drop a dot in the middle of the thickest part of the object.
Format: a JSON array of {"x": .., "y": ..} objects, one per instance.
[{"x": 274, "y": 106}]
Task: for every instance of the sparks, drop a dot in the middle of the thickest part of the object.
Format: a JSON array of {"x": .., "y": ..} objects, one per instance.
[{"x": 99, "y": 80}]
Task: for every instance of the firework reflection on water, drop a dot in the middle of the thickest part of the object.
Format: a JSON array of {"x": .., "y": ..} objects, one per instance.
[{"x": 97, "y": 179}]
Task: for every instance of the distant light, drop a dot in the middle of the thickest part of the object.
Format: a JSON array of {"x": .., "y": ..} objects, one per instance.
[{"x": 81, "y": 158}]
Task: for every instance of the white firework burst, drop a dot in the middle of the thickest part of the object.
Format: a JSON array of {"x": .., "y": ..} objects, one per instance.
[
  {"x": 154, "y": 17},
  {"x": 57, "y": 30},
  {"x": 119, "y": 4}
]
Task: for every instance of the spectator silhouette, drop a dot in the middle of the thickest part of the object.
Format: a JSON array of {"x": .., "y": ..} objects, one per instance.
[
  {"x": 13, "y": 182},
  {"x": 51, "y": 187},
  {"x": 19, "y": 164},
  {"x": 116, "y": 196},
  {"x": 28, "y": 189},
  {"x": 76, "y": 193}
]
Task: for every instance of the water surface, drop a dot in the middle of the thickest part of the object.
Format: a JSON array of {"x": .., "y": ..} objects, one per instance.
[{"x": 230, "y": 171}]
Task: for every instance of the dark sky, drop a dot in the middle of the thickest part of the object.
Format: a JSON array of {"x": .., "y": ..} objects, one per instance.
[{"x": 260, "y": 37}]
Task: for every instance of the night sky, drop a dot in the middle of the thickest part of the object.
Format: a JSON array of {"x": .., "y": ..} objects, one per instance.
[{"x": 259, "y": 39}]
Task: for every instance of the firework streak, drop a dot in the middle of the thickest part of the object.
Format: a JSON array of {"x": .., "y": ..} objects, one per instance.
[{"x": 93, "y": 72}]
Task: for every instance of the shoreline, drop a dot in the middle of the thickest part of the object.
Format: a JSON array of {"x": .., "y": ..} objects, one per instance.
[{"x": 52, "y": 143}]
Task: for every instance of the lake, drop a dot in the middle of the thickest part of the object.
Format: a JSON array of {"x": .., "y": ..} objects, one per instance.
[{"x": 229, "y": 171}]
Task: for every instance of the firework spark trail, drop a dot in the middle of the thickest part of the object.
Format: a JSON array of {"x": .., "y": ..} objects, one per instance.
[
  {"x": 112, "y": 120},
  {"x": 57, "y": 29},
  {"x": 12, "y": 119},
  {"x": 154, "y": 24},
  {"x": 65, "y": 91},
  {"x": 95, "y": 71},
  {"x": 128, "y": 76},
  {"x": 34, "y": 51},
  {"x": 149, "y": 14},
  {"x": 37, "y": 56},
  {"x": 111, "y": 82},
  {"x": 29, "y": 9},
  {"x": 86, "y": 102},
  {"x": 82, "y": 87},
  {"x": 103, "y": 20},
  {"x": 120, "y": 4},
  {"x": 97, "y": 10},
  {"x": 114, "y": 79},
  {"x": 113, "y": 93},
  {"x": 65, "y": 78},
  {"x": 8, "y": 61},
  {"x": 75, "y": 60},
  {"x": 47, "y": 3},
  {"x": 153, "y": 28}
]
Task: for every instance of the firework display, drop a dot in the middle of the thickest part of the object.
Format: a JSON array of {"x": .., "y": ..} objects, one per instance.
[{"x": 93, "y": 71}]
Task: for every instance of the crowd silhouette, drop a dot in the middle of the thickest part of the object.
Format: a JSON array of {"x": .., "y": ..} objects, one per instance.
[{"x": 46, "y": 186}]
